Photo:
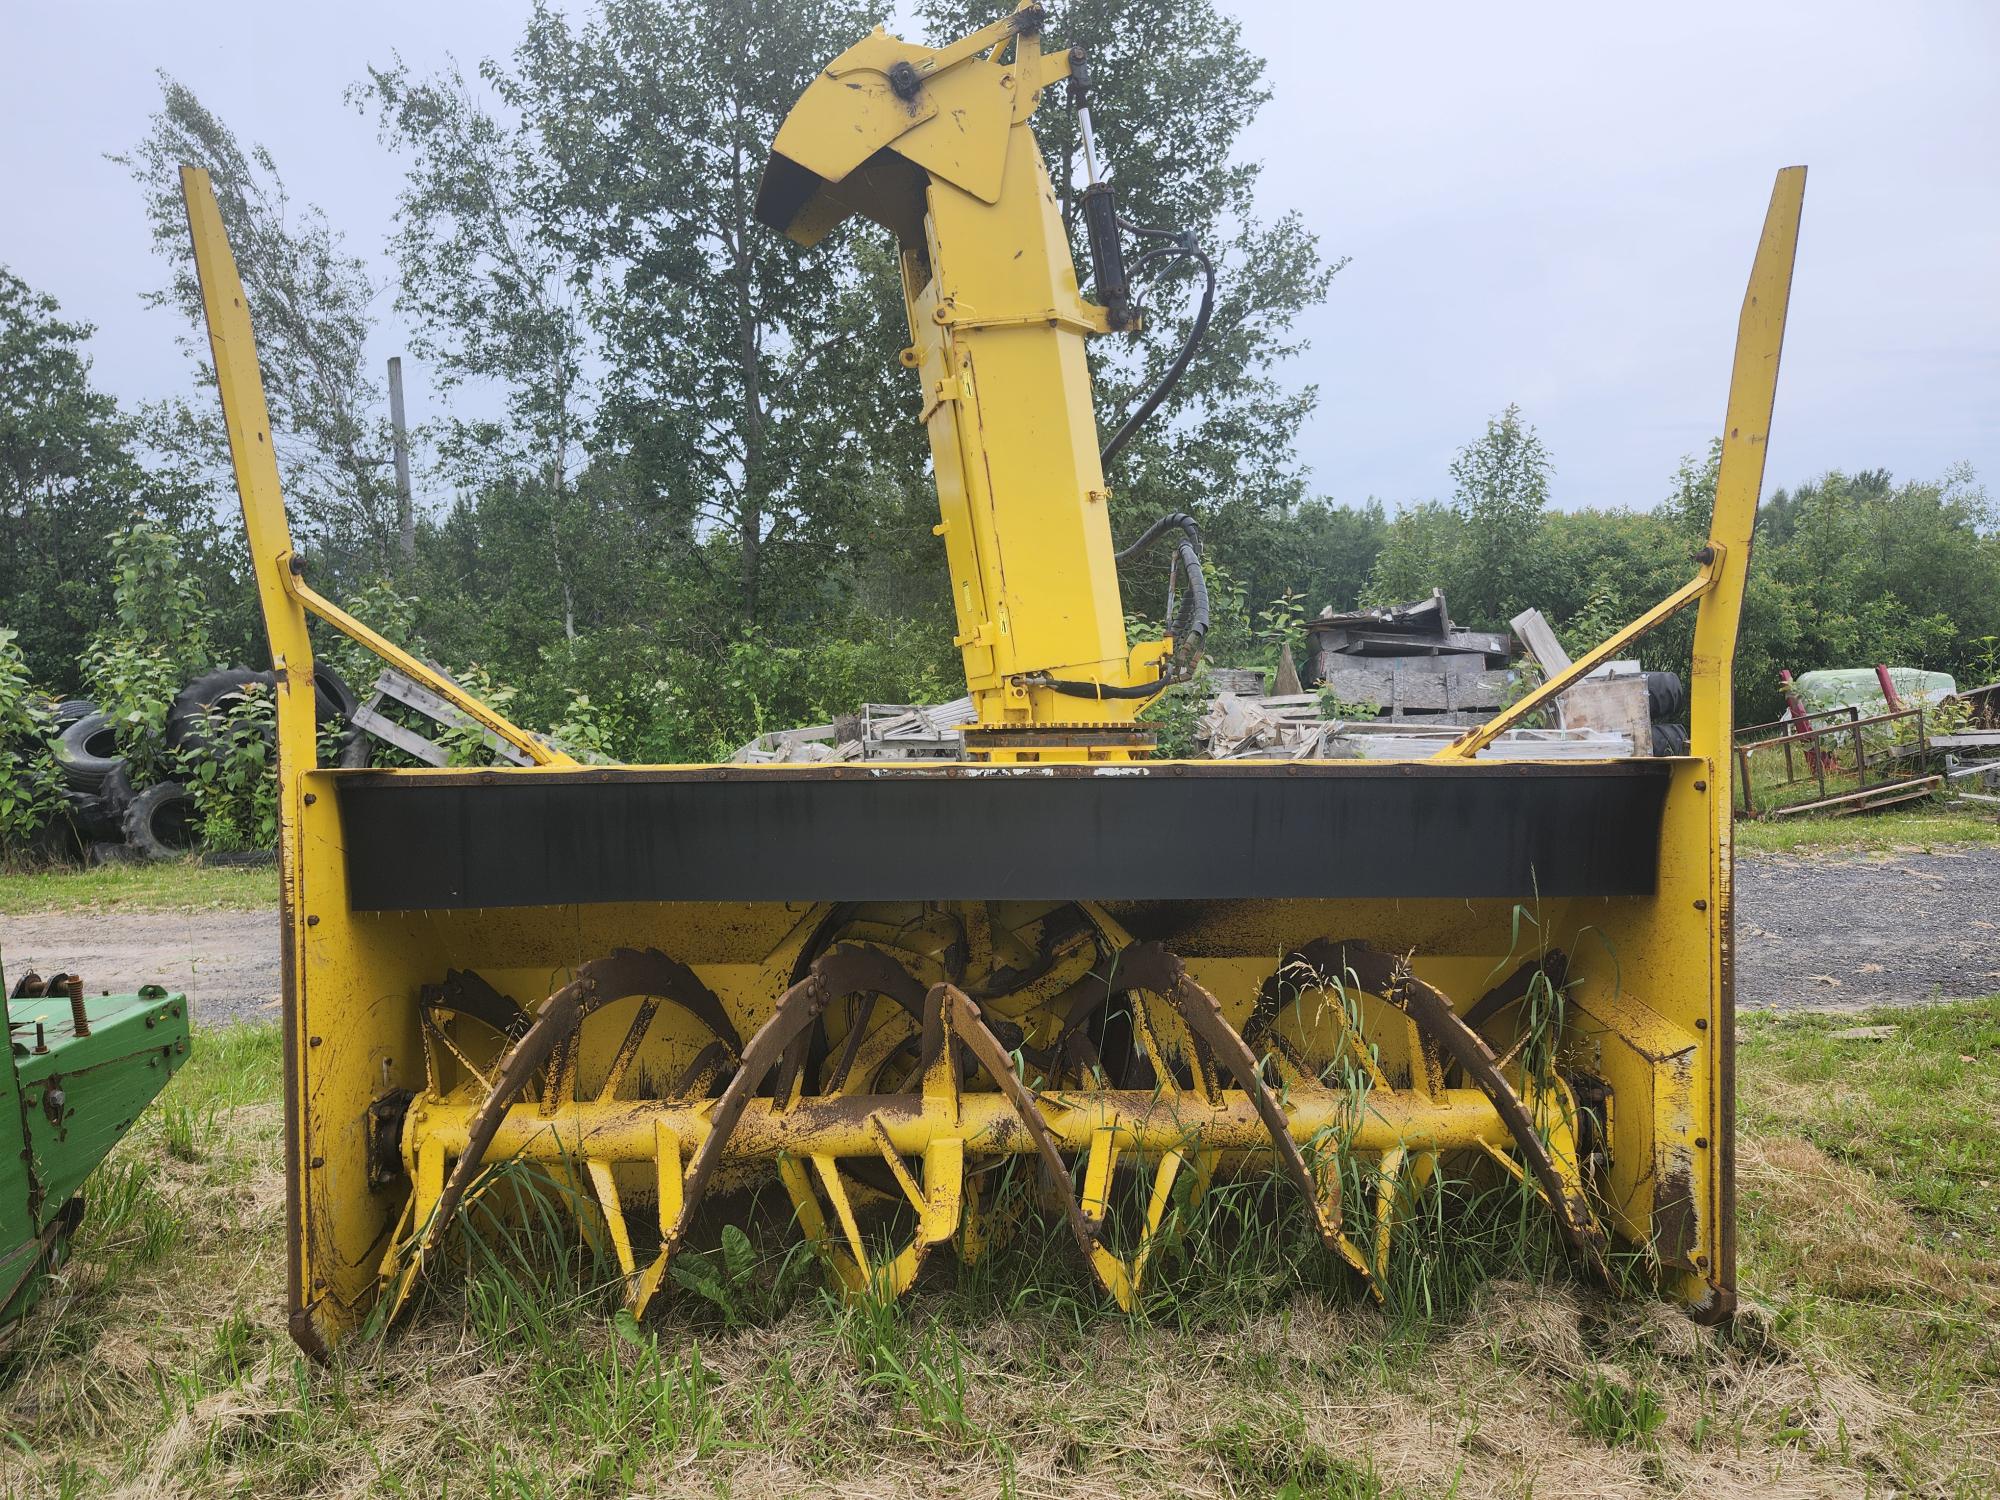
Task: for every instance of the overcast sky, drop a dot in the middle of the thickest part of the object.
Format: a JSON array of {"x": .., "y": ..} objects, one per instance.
[{"x": 1554, "y": 205}]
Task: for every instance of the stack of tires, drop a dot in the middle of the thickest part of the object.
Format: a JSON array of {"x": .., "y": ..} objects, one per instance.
[
  {"x": 1666, "y": 705},
  {"x": 114, "y": 820}
]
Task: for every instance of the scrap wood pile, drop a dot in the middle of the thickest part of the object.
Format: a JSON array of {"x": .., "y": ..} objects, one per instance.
[
  {"x": 1972, "y": 748},
  {"x": 1982, "y": 708},
  {"x": 1399, "y": 682},
  {"x": 1408, "y": 660},
  {"x": 881, "y": 731},
  {"x": 1295, "y": 727}
]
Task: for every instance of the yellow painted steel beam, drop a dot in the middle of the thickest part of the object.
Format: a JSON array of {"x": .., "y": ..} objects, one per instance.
[
  {"x": 1725, "y": 562},
  {"x": 1753, "y": 390},
  {"x": 282, "y": 594},
  {"x": 627, "y": 1130},
  {"x": 247, "y": 419},
  {"x": 232, "y": 344}
]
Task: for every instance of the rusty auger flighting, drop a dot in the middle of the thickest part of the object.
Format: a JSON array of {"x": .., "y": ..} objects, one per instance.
[{"x": 874, "y": 987}]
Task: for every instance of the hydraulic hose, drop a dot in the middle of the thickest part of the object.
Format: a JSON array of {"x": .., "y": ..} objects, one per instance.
[
  {"x": 1190, "y": 625},
  {"x": 1112, "y": 281},
  {"x": 1111, "y": 278},
  {"x": 1075, "y": 689},
  {"x": 1182, "y": 247}
]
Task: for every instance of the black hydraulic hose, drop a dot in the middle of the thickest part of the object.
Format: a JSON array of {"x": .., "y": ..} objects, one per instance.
[
  {"x": 1178, "y": 521},
  {"x": 1075, "y": 689},
  {"x": 1191, "y": 628},
  {"x": 1183, "y": 248}
]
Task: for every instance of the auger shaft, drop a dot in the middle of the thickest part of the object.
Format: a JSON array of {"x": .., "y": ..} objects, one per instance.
[{"x": 626, "y": 1130}]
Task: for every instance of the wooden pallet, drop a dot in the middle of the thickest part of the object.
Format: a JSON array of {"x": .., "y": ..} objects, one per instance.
[{"x": 393, "y": 686}]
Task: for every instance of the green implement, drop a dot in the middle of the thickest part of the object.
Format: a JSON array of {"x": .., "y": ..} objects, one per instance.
[{"x": 79, "y": 1070}]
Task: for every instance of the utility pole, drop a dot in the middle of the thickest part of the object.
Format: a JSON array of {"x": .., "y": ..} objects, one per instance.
[{"x": 406, "y": 514}]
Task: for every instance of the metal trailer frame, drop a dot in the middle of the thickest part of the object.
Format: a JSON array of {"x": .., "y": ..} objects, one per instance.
[{"x": 1878, "y": 780}]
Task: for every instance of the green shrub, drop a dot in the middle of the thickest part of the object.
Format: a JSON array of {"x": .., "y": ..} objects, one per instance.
[
  {"x": 156, "y": 642},
  {"x": 31, "y": 787},
  {"x": 703, "y": 707},
  {"x": 386, "y": 610},
  {"x": 466, "y": 744},
  {"x": 1173, "y": 717},
  {"x": 585, "y": 730},
  {"x": 234, "y": 780}
]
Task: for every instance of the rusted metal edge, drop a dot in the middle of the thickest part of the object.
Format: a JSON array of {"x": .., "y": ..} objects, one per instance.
[
  {"x": 601, "y": 982},
  {"x": 986, "y": 1049},
  {"x": 557, "y": 1018},
  {"x": 856, "y": 969},
  {"x": 1514, "y": 988},
  {"x": 468, "y": 994},
  {"x": 844, "y": 970}
]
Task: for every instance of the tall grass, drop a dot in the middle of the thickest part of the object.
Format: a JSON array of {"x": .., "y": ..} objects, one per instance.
[{"x": 1255, "y": 1365}]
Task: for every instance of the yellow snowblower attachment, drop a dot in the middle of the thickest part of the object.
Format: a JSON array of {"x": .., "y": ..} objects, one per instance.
[{"x": 651, "y": 990}]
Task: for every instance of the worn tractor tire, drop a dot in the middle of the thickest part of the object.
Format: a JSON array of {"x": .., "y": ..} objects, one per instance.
[
  {"x": 87, "y": 813},
  {"x": 1670, "y": 739},
  {"x": 116, "y": 791},
  {"x": 59, "y": 841},
  {"x": 335, "y": 699},
  {"x": 87, "y": 752},
  {"x": 336, "y": 703},
  {"x": 161, "y": 823},
  {"x": 187, "y": 721},
  {"x": 70, "y": 710},
  {"x": 100, "y": 814},
  {"x": 1666, "y": 695},
  {"x": 213, "y": 691}
]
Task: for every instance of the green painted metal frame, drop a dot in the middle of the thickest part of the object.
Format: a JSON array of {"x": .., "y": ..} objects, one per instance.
[{"x": 68, "y": 1095}]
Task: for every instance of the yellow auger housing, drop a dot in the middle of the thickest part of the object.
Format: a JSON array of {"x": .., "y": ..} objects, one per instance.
[{"x": 647, "y": 989}]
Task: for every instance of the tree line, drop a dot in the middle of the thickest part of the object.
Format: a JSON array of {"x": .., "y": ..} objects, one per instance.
[{"x": 678, "y": 490}]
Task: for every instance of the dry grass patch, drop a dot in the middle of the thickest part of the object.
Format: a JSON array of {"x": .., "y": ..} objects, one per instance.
[{"x": 1868, "y": 1365}]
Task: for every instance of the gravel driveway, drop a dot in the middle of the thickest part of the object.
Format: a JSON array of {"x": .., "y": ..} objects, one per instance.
[
  {"x": 1843, "y": 933},
  {"x": 1826, "y": 932},
  {"x": 226, "y": 961}
]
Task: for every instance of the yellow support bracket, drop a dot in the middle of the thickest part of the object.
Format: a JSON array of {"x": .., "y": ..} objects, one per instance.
[
  {"x": 1725, "y": 561},
  {"x": 1469, "y": 745},
  {"x": 532, "y": 746},
  {"x": 993, "y": 34},
  {"x": 283, "y": 595}
]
